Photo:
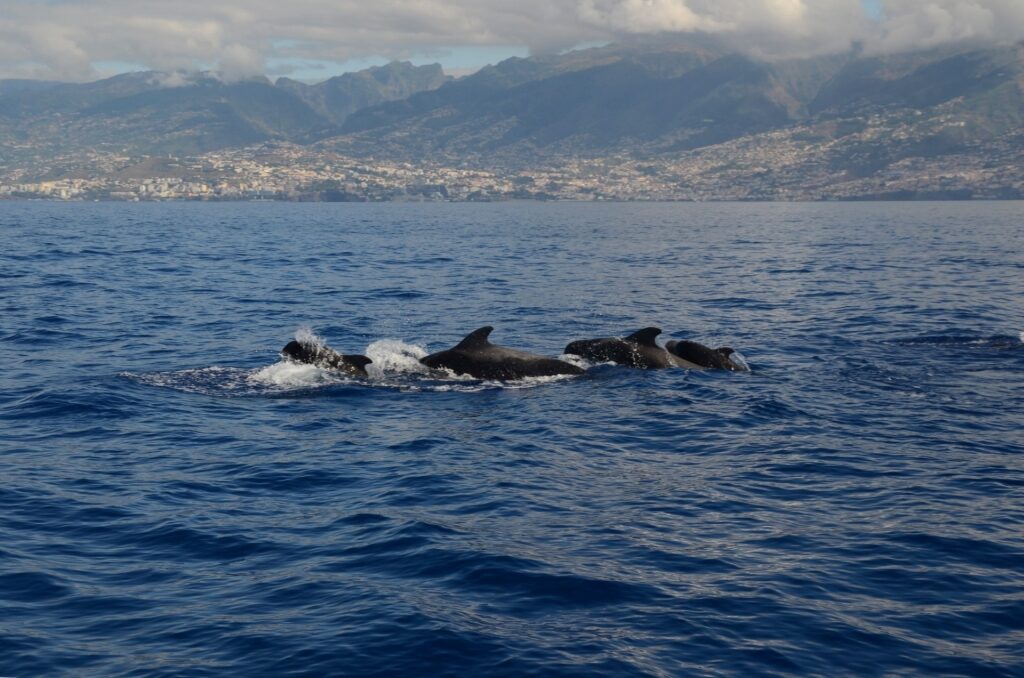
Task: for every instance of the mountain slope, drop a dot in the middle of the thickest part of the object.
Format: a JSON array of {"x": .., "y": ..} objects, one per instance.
[
  {"x": 690, "y": 98},
  {"x": 161, "y": 113},
  {"x": 651, "y": 102},
  {"x": 337, "y": 98}
]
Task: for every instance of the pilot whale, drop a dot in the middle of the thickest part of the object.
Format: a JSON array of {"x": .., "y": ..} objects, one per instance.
[
  {"x": 705, "y": 357},
  {"x": 637, "y": 350},
  {"x": 325, "y": 357},
  {"x": 477, "y": 357}
]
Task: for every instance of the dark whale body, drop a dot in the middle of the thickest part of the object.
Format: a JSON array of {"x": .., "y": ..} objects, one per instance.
[
  {"x": 480, "y": 359},
  {"x": 703, "y": 356},
  {"x": 637, "y": 350},
  {"x": 325, "y": 358}
]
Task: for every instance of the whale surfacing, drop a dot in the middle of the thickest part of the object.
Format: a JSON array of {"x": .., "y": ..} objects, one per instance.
[
  {"x": 325, "y": 357},
  {"x": 705, "y": 357},
  {"x": 638, "y": 350},
  {"x": 477, "y": 357}
]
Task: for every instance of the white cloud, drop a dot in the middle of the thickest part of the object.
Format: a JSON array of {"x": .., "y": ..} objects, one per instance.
[
  {"x": 238, "y": 61},
  {"x": 171, "y": 79},
  {"x": 783, "y": 27},
  {"x": 928, "y": 23},
  {"x": 65, "y": 39},
  {"x": 646, "y": 16}
]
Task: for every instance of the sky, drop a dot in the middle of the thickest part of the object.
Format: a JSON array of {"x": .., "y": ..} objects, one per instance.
[{"x": 81, "y": 40}]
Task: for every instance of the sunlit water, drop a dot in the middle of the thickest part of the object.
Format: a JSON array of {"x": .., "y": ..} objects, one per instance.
[{"x": 178, "y": 502}]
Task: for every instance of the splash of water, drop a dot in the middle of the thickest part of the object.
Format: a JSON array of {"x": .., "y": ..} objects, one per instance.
[
  {"x": 392, "y": 356},
  {"x": 740, "y": 360},
  {"x": 287, "y": 374},
  {"x": 306, "y": 335}
]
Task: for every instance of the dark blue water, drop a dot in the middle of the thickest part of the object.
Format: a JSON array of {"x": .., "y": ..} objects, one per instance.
[{"x": 175, "y": 502}]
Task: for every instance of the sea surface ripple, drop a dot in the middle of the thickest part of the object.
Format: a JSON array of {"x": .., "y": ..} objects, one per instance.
[{"x": 177, "y": 502}]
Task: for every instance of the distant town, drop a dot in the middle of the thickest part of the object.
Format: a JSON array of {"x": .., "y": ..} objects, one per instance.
[{"x": 775, "y": 165}]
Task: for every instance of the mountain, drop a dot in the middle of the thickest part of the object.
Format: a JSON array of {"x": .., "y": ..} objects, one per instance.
[
  {"x": 630, "y": 100},
  {"x": 339, "y": 97},
  {"x": 20, "y": 86},
  {"x": 184, "y": 114},
  {"x": 149, "y": 113},
  {"x": 587, "y": 100}
]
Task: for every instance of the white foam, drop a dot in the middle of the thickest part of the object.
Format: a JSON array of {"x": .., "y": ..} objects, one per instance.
[
  {"x": 392, "y": 356},
  {"x": 466, "y": 384},
  {"x": 532, "y": 382},
  {"x": 286, "y": 374},
  {"x": 306, "y": 335},
  {"x": 577, "y": 360}
]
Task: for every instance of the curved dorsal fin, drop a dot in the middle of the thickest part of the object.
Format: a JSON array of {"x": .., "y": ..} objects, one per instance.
[
  {"x": 645, "y": 337},
  {"x": 476, "y": 338},
  {"x": 360, "y": 361}
]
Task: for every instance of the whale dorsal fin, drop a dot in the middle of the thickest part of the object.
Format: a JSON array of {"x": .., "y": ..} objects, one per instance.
[
  {"x": 360, "y": 361},
  {"x": 645, "y": 337},
  {"x": 476, "y": 338}
]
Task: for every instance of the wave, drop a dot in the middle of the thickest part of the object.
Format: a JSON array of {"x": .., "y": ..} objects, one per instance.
[{"x": 998, "y": 341}]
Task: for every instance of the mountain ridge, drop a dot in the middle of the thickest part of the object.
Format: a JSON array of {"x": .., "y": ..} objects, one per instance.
[
  {"x": 720, "y": 96},
  {"x": 177, "y": 113}
]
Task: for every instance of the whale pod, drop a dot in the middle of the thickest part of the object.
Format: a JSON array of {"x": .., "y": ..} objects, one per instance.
[
  {"x": 477, "y": 357},
  {"x": 325, "y": 357}
]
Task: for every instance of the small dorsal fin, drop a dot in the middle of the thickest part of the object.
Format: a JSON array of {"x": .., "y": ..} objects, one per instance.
[
  {"x": 646, "y": 336},
  {"x": 360, "y": 361},
  {"x": 476, "y": 338}
]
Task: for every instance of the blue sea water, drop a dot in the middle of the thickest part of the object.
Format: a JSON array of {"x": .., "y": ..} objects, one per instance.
[{"x": 177, "y": 502}]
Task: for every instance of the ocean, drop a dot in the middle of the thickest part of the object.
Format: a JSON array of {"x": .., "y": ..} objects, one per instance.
[{"x": 176, "y": 501}]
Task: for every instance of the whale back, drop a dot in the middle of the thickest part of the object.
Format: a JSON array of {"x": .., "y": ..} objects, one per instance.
[
  {"x": 703, "y": 356},
  {"x": 476, "y": 356},
  {"x": 603, "y": 350},
  {"x": 638, "y": 350}
]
